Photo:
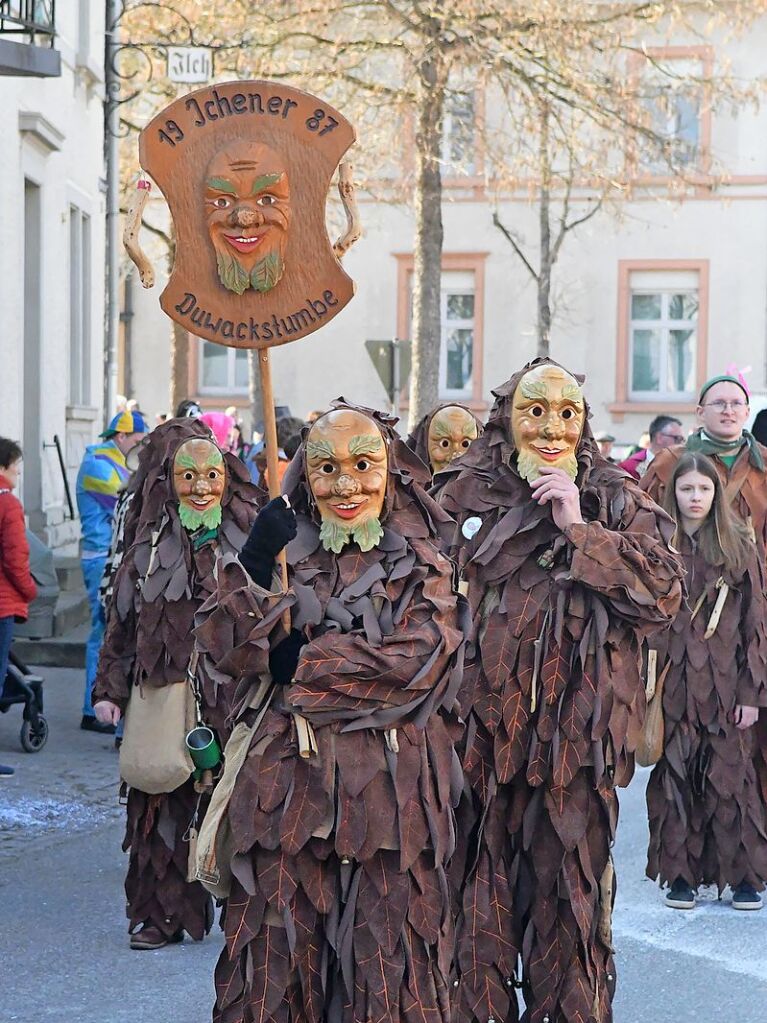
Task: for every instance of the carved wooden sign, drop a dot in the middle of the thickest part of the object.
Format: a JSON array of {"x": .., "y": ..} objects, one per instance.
[{"x": 246, "y": 168}]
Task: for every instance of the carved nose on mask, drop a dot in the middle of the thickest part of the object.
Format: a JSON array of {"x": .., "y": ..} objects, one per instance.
[
  {"x": 346, "y": 486},
  {"x": 554, "y": 428},
  {"x": 244, "y": 216}
]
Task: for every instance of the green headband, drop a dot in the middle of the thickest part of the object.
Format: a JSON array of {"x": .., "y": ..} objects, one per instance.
[{"x": 725, "y": 378}]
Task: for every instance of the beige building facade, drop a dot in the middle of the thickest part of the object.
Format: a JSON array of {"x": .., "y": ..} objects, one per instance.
[
  {"x": 647, "y": 305},
  {"x": 52, "y": 254}
]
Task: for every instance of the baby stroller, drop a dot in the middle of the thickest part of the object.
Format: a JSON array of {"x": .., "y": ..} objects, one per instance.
[{"x": 21, "y": 686}]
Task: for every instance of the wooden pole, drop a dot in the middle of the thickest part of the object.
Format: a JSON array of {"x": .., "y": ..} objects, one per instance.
[{"x": 272, "y": 454}]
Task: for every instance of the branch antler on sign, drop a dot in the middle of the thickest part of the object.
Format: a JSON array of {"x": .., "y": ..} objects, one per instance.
[
  {"x": 353, "y": 225},
  {"x": 131, "y": 233}
]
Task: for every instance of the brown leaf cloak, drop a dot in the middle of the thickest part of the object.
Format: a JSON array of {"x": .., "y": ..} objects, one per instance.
[{"x": 554, "y": 703}]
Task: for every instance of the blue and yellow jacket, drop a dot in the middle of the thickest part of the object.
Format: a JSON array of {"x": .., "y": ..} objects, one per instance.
[{"x": 99, "y": 481}]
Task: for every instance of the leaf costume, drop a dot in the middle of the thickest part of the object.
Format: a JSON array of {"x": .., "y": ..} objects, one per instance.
[
  {"x": 706, "y": 810},
  {"x": 163, "y": 579},
  {"x": 745, "y": 488},
  {"x": 554, "y": 704},
  {"x": 340, "y": 908}
]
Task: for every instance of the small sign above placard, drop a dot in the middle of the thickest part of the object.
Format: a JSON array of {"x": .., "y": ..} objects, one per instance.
[{"x": 192, "y": 65}]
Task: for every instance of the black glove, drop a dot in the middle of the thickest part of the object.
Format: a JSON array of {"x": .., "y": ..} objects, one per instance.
[
  {"x": 275, "y": 526},
  {"x": 283, "y": 659}
]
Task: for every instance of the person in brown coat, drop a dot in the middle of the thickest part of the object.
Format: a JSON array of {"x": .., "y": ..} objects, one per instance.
[
  {"x": 190, "y": 504},
  {"x": 567, "y": 565},
  {"x": 706, "y": 810},
  {"x": 342, "y": 813}
]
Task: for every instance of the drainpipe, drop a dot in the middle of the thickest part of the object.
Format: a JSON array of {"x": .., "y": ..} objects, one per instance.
[
  {"x": 111, "y": 157},
  {"x": 126, "y": 318}
]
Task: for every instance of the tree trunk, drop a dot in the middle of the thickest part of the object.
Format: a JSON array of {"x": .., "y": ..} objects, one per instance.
[
  {"x": 254, "y": 393},
  {"x": 544, "y": 220},
  {"x": 544, "y": 278},
  {"x": 424, "y": 389},
  {"x": 180, "y": 341}
]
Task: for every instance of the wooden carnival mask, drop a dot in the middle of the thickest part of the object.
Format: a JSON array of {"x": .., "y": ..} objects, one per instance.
[
  {"x": 451, "y": 431},
  {"x": 547, "y": 418},
  {"x": 199, "y": 479},
  {"x": 247, "y": 205},
  {"x": 347, "y": 468},
  {"x": 245, "y": 168}
]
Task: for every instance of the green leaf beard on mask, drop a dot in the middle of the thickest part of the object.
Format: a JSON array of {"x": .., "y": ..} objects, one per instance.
[
  {"x": 335, "y": 535},
  {"x": 231, "y": 273},
  {"x": 192, "y": 520},
  {"x": 267, "y": 272}
]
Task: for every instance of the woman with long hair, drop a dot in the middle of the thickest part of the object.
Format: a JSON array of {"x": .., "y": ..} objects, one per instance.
[{"x": 706, "y": 810}]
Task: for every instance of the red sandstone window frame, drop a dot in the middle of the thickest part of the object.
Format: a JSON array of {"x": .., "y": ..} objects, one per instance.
[
  {"x": 472, "y": 262},
  {"x": 623, "y": 402}
]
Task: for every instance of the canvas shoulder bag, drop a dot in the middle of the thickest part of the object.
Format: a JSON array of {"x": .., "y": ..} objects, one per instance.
[
  {"x": 153, "y": 754},
  {"x": 213, "y": 863}
]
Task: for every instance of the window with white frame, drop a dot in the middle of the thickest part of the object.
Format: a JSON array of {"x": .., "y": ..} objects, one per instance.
[
  {"x": 223, "y": 370},
  {"x": 459, "y": 134},
  {"x": 456, "y": 355},
  {"x": 674, "y": 103},
  {"x": 79, "y": 307},
  {"x": 663, "y": 326}
]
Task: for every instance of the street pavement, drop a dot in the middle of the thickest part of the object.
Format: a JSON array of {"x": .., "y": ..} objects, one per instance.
[{"x": 63, "y": 939}]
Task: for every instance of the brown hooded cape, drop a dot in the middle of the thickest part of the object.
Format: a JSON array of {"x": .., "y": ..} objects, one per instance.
[
  {"x": 706, "y": 809},
  {"x": 149, "y": 641},
  {"x": 339, "y": 909},
  {"x": 554, "y": 704}
]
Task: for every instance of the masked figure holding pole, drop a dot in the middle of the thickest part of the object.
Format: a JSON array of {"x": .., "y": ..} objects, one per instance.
[{"x": 340, "y": 818}]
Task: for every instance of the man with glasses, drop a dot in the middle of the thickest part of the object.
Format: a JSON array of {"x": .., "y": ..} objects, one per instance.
[
  {"x": 739, "y": 458},
  {"x": 665, "y": 432}
]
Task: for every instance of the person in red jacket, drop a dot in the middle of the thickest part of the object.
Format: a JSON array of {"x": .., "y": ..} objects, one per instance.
[{"x": 17, "y": 587}]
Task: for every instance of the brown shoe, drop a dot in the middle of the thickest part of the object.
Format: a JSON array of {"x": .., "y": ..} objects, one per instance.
[{"x": 152, "y": 937}]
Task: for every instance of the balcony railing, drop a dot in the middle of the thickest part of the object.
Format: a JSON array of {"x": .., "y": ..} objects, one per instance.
[{"x": 35, "y": 19}]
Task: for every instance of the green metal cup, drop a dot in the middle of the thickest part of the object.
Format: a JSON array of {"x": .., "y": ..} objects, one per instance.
[{"x": 203, "y": 748}]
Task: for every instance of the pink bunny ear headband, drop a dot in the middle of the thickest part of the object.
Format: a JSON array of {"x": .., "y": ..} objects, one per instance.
[
  {"x": 739, "y": 374},
  {"x": 733, "y": 375}
]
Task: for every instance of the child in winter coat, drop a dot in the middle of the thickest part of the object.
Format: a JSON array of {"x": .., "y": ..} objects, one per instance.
[
  {"x": 706, "y": 809},
  {"x": 17, "y": 588}
]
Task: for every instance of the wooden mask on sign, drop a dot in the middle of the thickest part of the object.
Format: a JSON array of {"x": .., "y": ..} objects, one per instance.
[{"x": 246, "y": 168}]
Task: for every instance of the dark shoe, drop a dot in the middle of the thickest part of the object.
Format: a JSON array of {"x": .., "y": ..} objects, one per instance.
[
  {"x": 745, "y": 896},
  {"x": 92, "y": 724},
  {"x": 152, "y": 937},
  {"x": 6, "y": 772},
  {"x": 681, "y": 895}
]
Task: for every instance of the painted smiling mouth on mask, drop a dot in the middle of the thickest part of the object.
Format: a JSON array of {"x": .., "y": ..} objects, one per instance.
[
  {"x": 348, "y": 510},
  {"x": 244, "y": 243},
  {"x": 550, "y": 453}
]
